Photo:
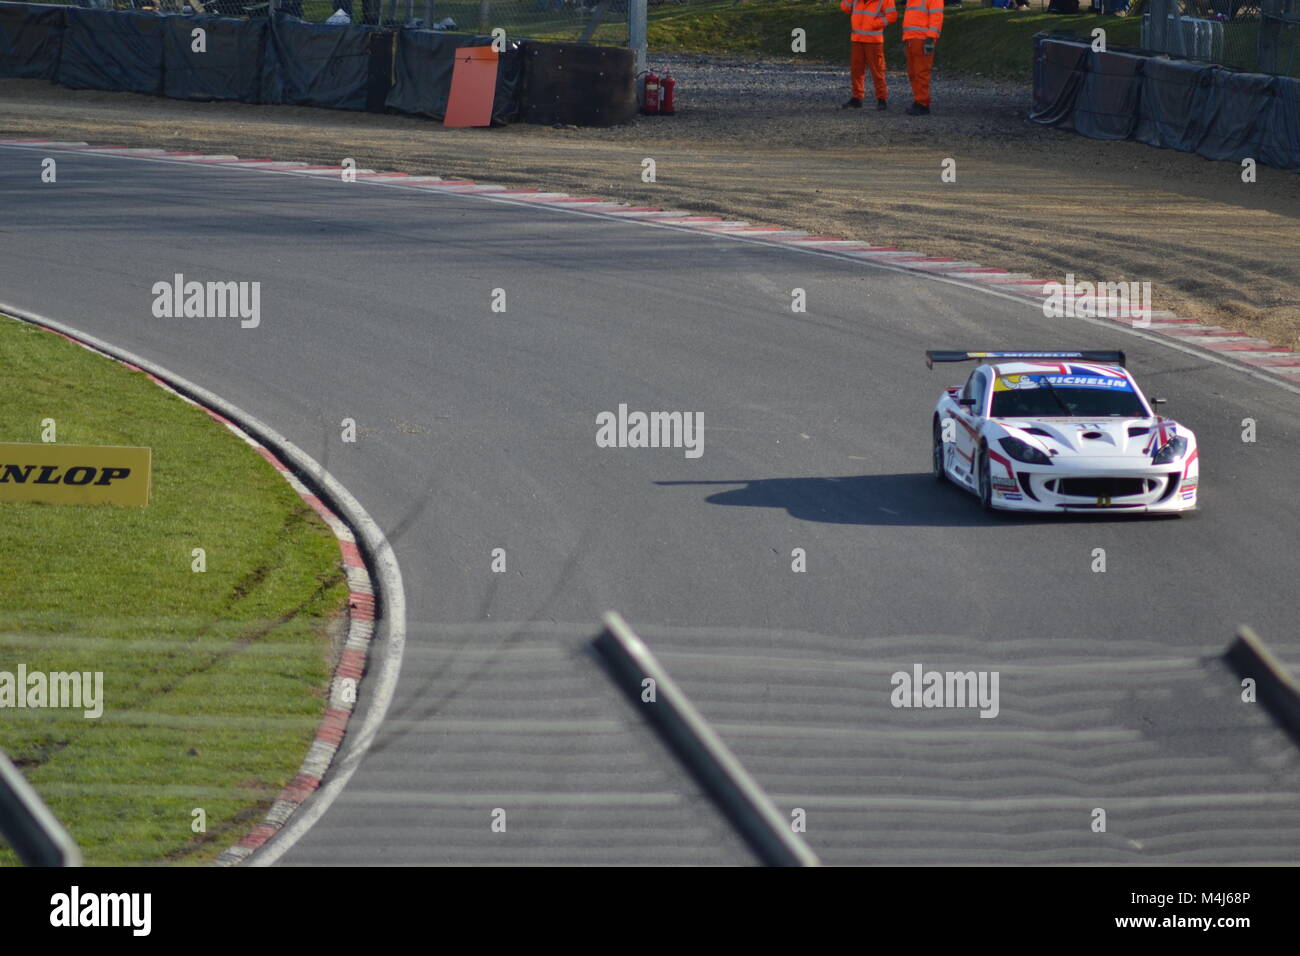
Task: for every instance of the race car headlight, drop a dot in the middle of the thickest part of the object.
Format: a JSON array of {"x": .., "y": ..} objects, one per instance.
[
  {"x": 1171, "y": 451},
  {"x": 1022, "y": 451}
]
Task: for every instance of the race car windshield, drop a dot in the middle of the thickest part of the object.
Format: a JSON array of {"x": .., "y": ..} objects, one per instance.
[{"x": 1082, "y": 403}]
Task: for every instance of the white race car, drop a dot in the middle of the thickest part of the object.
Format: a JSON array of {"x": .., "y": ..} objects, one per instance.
[{"x": 1060, "y": 431}]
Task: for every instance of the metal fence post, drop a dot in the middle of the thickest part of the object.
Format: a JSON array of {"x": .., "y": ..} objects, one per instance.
[
  {"x": 1158, "y": 11},
  {"x": 1179, "y": 38},
  {"x": 593, "y": 22},
  {"x": 636, "y": 35},
  {"x": 36, "y": 836},
  {"x": 1270, "y": 33},
  {"x": 706, "y": 757}
]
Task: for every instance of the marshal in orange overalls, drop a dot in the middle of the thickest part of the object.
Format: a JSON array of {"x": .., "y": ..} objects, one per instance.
[
  {"x": 922, "y": 20},
  {"x": 868, "y": 46}
]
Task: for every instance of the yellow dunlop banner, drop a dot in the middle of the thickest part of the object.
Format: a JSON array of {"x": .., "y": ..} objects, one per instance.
[{"x": 75, "y": 474}]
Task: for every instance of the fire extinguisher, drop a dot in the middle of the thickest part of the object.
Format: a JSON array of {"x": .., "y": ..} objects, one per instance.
[
  {"x": 666, "y": 101},
  {"x": 650, "y": 99}
]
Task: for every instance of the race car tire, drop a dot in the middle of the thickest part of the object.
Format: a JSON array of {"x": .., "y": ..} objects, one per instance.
[
  {"x": 936, "y": 455},
  {"x": 985, "y": 481}
]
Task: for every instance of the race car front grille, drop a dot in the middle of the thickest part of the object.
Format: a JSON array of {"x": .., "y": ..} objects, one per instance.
[
  {"x": 1026, "y": 485},
  {"x": 1172, "y": 482},
  {"x": 1102, "y": 487}
]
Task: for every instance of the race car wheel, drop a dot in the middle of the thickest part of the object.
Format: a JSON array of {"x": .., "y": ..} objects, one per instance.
[
  {"x": 985, "y": 482},
  {"x": 936, "y": 457}
]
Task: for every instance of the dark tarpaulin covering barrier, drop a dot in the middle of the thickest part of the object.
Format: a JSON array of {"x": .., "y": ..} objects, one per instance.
[
  {"x": 114, "y": 50},
  {"x": 316, "y": 64},
  {"x": 229, "y": 69},
  {"x": 1281, "y": 145},
  {"x": 1239, "y": 105},
  {"x": 1108, "y": 102},
  {"x": 1171, "y": 113},
  {"x": 422, "y": 74},
  {"x": 1058, "y": 74},
  {"x": 1189, "y": 105},
  {"x": 30, "y": 38}
]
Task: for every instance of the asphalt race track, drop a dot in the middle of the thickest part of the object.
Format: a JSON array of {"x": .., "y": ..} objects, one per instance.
[{"x": 476, "y": 430}]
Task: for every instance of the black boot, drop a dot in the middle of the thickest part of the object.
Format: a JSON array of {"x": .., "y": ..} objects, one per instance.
[
  {"x": 916, "y": 109},
  {"x": 853, "y": 103},
  {"x": 882, "y": 104}
]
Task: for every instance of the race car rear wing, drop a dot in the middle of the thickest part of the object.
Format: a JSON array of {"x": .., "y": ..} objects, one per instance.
[{"x": 1109, "y": 358}]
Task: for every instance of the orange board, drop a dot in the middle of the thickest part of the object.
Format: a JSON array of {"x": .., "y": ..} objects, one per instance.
[{"x": 473, "y": 87}]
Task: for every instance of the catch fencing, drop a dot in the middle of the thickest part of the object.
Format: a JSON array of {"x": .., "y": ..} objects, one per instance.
[
  {"x": 1259, "y": 36},
  {"x": 584, "y": 21}
]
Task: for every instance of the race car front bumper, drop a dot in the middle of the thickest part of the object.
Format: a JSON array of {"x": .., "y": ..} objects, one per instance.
[{"x": 1095, "y": 485}]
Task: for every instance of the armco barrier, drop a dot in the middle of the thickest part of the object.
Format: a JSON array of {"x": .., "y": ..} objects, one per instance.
[
  {"x": 288, "y": 61},
  {"x": 30, "y": 39},
  {"x": 1188, "y": 105}
]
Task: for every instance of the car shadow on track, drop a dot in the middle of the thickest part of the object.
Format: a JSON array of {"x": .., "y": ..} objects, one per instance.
[{"x": 915, "y": 499}]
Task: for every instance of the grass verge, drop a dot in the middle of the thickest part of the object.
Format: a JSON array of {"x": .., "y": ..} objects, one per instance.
[{"x": 214, "y": 682}]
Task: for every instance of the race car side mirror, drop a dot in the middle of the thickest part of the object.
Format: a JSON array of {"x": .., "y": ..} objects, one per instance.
[{"x": 1159, "y": 401}]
